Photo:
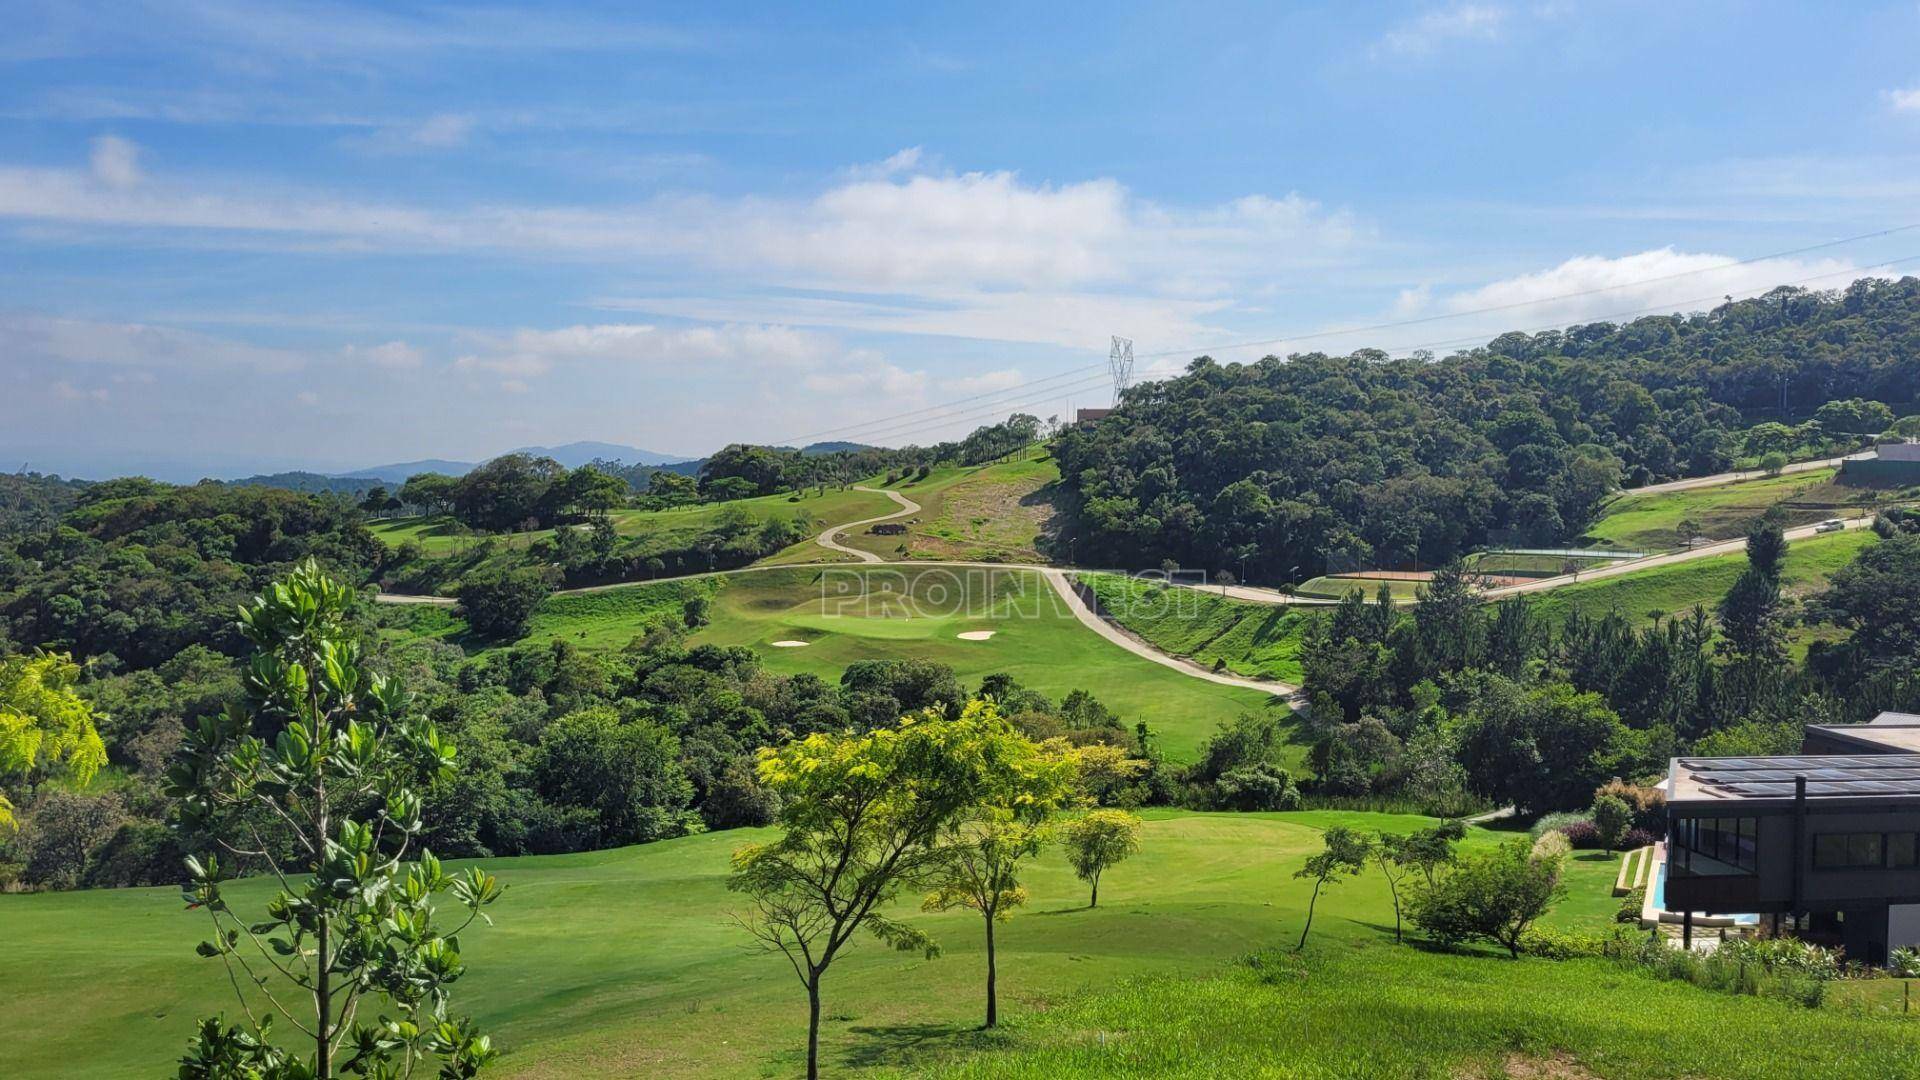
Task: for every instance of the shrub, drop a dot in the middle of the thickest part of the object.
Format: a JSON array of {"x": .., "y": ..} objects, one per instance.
[
  {"x": 1494, "y": 895},
  {"x": 1612, "y": 817},
  {"x": 1553, "y": 845},
  {"x": 1638, "y": 838},
  {"x": 1631, "y": 904},
  {"x": 1257, "y": 787},
  {"x": 1549, "y": 822},
  {"x": 1905, "y": 962},
  {"x": 1649, "y": 804},
  {"x": 1583, "y": 835},
  {"x": 1550, "y": 944}
]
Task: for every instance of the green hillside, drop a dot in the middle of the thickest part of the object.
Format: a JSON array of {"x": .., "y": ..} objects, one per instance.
[
  {"x": 1257, "y": 640},
  {"x": 849, "y": 613},
  {"x": 1722, "y": 512},
  {"x": 441, "y": 535},
  {"x": 998, "y": 512},
  {"x": 1676, "y": 588}
]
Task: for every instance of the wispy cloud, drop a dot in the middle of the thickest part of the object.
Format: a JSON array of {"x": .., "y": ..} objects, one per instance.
[
  {"x": 1443, "y": 27},
  {"x": 1907, "y": 100}
]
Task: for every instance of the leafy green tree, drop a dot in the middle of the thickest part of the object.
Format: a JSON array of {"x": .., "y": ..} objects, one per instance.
[
  {"x": 498, "y": 603},
  {"x": 1612, "y": 817},
  {"x": 1345, "y": 854},
  {"x": 1496, "y": 895},
  {"x": 1542, "y": 747},
  {"x": 339, "y": 787},
  {"x": 1752, "y": 627},
  {"x": 985, "y": 850},
  {"x": 1766, "y": 546},
  {"x": 432, "y": 492},
  {"x": 507, "y": 492},
  {"x": 1423, "y": 851},
  {"x": 1098, "y": 840},
  {"x": 1877, "y": 598},
  {"x": 1773, "y": 463},
  {"x": 44, "y": 722},
  {"x": 861, "y": 817},
  {"x": 627, "y": 772},
  {"x": 1854, "y": 416}
]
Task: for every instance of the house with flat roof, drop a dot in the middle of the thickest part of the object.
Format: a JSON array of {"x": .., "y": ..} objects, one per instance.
[{"x": 1827, "y": 841}]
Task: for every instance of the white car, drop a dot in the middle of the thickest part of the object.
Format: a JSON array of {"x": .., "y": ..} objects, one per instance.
[{"x": 1830, "y": 525}]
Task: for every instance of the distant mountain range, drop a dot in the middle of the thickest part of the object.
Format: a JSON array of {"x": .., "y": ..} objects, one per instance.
[{"x": 572, "y": 455}]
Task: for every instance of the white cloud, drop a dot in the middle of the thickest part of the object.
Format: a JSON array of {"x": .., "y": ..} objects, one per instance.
[
  {"x": 981, "y": 254},
  {"x": 66, "y": 391},
  {"x": 1907, "y": 100},
  {"x": 115, "y": 161},
  {"x": 141, "y": 346},
  {"x": 393, "y": 354},
  {"x": 529, "y": 352},
  {"x": 307, "y": 398},
  {"x": 1442, "y": 27},
  {"x": 1592, "y": 288}
]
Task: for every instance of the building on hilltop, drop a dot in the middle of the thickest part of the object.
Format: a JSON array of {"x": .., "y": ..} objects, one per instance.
[
  {"x": 1826, "y": 841},
  {"x": 1088, "y": 416}
]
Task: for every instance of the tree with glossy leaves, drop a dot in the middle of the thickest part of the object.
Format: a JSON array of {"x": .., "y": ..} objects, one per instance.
[
  {"x": 861, "y": 818},
  {"x": 318, "y": 778}
]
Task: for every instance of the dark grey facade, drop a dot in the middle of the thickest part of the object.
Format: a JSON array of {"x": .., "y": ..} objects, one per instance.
[{"x": 1829, "y": 841}]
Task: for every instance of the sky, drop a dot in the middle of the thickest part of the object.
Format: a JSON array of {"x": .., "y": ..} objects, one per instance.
[{"x": 239, "y": 237}]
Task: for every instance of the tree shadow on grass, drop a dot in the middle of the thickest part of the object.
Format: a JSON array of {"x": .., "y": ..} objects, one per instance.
[{"x": 902, "y": 1045}]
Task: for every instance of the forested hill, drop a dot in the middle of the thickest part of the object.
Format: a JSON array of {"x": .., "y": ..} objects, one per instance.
[{"x": 1298, "y": 464}]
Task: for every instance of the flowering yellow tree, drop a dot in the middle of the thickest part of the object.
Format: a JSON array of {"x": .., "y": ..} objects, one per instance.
[{"x": 43, "y": 722}]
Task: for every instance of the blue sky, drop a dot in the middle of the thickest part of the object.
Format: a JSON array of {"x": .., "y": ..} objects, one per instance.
[{"x": 239, "y": 236}]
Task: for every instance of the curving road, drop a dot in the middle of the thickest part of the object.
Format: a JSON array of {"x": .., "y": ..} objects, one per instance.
[{"x": 826, "y": 539}]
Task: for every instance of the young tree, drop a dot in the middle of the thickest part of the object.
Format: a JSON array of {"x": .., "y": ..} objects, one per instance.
[
  {"x": 44, "y": 722},
  {"x": 1428, "y": 850},
  {"x": 984, "y": 851},
  {"x": 1345, "y": 855},
  {"x": 498, "y": 603},
  {"x": 861, "y": 818},
  {"x": 338, "y": 792},
  {"x": 1096, "y": 841},
  {"x": 1612, "y": 817},
  {"x": 1496, "y": 895}
]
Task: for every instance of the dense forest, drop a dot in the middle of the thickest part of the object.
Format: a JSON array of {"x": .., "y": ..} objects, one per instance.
[{"x": 1291, "y": 467}]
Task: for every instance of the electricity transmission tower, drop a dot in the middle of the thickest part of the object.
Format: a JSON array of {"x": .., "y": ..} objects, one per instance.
[{"x": 1120, "y": 362}]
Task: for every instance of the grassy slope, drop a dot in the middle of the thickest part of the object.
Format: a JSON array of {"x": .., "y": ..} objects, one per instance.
[
  {"x": 997, "y": 512},
  {"x": 1336, "y": 588},
  {"x": 848, "y": 615},
  {"x": 625, "y": 962},
  {"x": 1674, "y": 589},
  {"x": 1376, "y": 1011},
  {"x": 1257, "y": 640},
  {"x": 851, "y": 613},
  {"x": 1651, "y": 522},
  {"x": 668, "y": 528}
]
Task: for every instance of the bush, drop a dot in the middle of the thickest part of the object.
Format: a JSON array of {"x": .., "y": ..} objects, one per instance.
[
  {"x": 1638, "y": 838},
  {"x": 1553, "y": 845},
  {"x": 1905, "y": 962},
  {"x": 1257, "y": 787},
  {"x": 1784, "y": 968},
  {"x": 1631, "y": 905},
  {"x": 1493, "y": 895},
  {"x": 1547, "y": 823},
  {"x": 1649, "y": 804},
  {"x": 1550, "y": 944},
  {"x": 1583, "y": 835},
  {"x": 498, "y": 603},
  {"x": 1612, "y": 818}
]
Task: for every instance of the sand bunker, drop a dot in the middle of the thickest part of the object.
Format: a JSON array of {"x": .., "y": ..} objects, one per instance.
[
  {"x": 976, "y": 635},
  {"x": 790, "y": 644}
]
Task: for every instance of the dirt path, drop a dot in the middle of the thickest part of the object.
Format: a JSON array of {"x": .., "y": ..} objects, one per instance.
[{"x": 826, "y": 539}]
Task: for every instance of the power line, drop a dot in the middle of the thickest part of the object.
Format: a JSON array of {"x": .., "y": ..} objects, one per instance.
[
  {"x": 997, "y": 408},
  {"x": 944, "y": 405}
]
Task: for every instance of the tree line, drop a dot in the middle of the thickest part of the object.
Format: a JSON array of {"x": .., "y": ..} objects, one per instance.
[{"x": 1290, "y": 468}]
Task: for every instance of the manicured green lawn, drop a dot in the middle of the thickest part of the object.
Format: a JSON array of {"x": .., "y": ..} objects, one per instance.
[
  {"x": 1257, "y": 640},
  {"x": 626, "y": 963},
  {"x": 1652, "y": 522},
  {"x": 1336, "y": 588},
  {"x": 1372, "y": 1010},
  {"x": 1676, "y": 588}
]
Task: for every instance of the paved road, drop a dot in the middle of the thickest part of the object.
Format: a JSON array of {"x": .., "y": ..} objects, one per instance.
[
  {"x": 826, "y": 539},
  {"x": 1063, "y": 585},
  {"x": 1705, "y": 551},
  {"x": 1736, "y": 477}
]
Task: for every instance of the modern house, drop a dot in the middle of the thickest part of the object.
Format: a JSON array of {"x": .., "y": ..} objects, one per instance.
[{"x": 1828, "y": 840}]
